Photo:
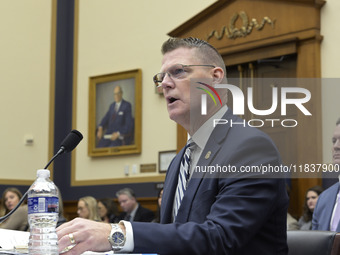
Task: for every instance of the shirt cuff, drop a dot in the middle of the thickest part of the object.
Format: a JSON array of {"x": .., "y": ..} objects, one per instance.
[{"x": 129, "y": 243}]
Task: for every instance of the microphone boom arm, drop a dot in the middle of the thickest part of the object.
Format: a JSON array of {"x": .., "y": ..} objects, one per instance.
[
  {"x": 67, "y": 145},
  {"x": 61, "y": 150}
]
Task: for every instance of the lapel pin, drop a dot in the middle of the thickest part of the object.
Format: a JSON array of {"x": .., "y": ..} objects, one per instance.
[{"x": 207, "y": 155}]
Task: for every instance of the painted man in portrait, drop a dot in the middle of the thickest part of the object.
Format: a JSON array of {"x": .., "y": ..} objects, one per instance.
[{"x": 117, "y": 126}]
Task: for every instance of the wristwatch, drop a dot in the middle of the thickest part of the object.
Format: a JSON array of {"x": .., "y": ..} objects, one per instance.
[{"x": 116, "y": 238}]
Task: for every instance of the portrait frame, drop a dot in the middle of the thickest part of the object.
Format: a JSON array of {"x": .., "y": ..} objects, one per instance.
[
  {"x": 164, "y": 160},
  {"x": 125, "y": 122}
]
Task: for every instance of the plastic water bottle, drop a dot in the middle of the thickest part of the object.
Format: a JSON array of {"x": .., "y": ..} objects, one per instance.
[{"x": 43, "y": 208}]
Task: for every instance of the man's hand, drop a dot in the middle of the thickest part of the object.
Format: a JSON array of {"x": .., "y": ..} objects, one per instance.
[
  {"x": 100, "y": 133},
  {"x": 88, "y": 236},
  {"x": 115, "y": 136}
]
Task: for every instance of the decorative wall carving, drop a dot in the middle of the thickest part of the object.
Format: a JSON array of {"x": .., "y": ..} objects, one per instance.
[{"x": 232, "y": 32}]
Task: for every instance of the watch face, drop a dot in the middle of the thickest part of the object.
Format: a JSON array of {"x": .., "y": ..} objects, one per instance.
[{"x": 118, "y": 238}]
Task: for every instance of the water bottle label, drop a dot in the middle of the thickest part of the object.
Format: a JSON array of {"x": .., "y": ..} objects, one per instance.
[{"x": 43, "y": 205}]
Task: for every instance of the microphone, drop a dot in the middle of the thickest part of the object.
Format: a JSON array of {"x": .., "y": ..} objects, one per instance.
[
  {"x": 67, "y": 145},
  {"x": 71, "y": 141}
]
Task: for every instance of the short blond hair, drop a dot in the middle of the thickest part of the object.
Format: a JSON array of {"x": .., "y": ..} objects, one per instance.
[{"x": 205, "y": 51}]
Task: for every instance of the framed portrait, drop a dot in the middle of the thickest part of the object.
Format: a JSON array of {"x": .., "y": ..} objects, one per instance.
[
  {"x": 164, "y": 160},
  {"x": 115, "y": 114}
]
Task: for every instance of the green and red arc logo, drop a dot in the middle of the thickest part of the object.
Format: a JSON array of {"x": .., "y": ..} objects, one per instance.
[{"x": 209, "y": 93}]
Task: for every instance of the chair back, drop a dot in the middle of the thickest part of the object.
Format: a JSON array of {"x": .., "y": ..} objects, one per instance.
[{"x": 313, "y": 242}]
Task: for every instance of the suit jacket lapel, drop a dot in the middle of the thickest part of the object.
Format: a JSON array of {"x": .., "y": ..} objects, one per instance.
[
  {"x": 329, "y": 209},
  {"x": 210, "y": 151},
  {"x": 170, "y": 186}
]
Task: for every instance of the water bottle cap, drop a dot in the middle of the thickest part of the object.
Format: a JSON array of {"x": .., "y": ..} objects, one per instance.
[{"x": 44, "y": 173}]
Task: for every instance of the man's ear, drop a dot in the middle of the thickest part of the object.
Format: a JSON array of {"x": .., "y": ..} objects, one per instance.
[{"x": 218, "y": 75}]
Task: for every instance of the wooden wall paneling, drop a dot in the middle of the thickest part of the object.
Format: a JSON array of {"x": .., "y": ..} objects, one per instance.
[
  {"x": 181, "y": 137},
  {"x": 309, "y": 138}
]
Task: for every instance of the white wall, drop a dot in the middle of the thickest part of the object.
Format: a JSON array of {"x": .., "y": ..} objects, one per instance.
[
  {"x": 114, "y": 35},
  {"x": 25, "y": 31}
]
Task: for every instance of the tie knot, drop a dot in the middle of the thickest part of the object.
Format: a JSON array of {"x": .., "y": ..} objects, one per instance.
[{"x": 190, "y": 144}]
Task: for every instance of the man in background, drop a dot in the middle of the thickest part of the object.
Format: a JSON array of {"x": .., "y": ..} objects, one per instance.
[
  {"x": 132, "y": 210},
  {"x": 326, "y": 214},
  {"x": 117, "y": 122}
]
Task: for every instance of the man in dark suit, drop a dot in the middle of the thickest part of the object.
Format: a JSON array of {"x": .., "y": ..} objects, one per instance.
[
  {"x": 117, "y": 122},
  {"x": 133, "y": 211},
  {"x": 326, "y": 214},
  {"x": 204, "y": 211}
]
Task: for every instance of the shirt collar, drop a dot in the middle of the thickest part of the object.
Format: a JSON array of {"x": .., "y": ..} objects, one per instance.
[
  {"x": 202, "y": 135},
  {"x": 133, "y": 213}
]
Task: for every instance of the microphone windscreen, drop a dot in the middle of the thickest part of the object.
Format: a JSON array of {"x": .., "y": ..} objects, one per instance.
[{"x": 71, "y": 140}]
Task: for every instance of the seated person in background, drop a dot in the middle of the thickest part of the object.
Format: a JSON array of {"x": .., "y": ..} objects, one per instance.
[
  {"x": 292, "y": 223},
  {"x": 327, "y": 211},
  {"x": 133, "y": 211},
  {"x": 18, "y": 220},
  {"x": 312, "y": 195},
  {"x": 61, "y": 218},
  {"x": 87, "y": 208},
  {"x": 108, "y": 210},
  {"x": 159, "y": 202}
]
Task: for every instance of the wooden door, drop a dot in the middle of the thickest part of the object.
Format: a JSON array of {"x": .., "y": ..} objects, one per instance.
[{"x": 262, "y": 76}]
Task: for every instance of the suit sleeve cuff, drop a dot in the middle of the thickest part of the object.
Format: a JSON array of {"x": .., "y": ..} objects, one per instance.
[{"x": 129, "y": 243}]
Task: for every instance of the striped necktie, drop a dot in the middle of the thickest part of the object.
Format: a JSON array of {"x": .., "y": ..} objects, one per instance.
[{"x": 183, "y": 177}]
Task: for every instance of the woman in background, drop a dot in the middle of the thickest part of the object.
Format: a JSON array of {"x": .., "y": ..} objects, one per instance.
[
  {"x": 107, "y": 210},
  {"x": 18, "y": 220},
  {"x": 312, "y": 195},
  {"x": 87, "y": 208},
  {"x": 159, "y": 202},
  {"x": 61, "y": 218}
]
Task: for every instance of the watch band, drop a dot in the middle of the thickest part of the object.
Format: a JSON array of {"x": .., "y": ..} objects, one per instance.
[{"x": 116, "y": 238}]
